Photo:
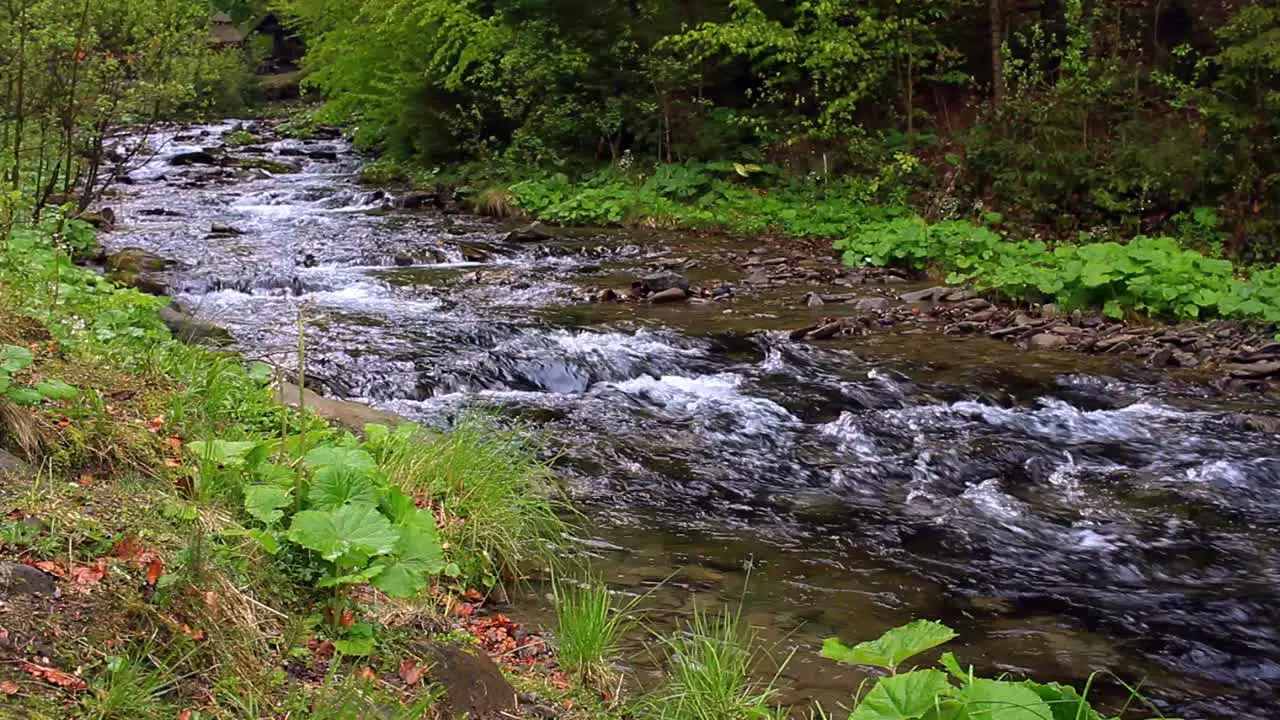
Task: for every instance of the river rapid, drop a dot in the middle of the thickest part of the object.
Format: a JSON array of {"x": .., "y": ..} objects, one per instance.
[{"x": 1065, "y": 514}]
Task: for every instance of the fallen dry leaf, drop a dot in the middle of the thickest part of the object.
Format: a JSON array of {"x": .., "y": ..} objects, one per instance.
[
  {"x": 127, "y": 548},
  {"x": 156, "y": 424},
  {"x": 346, "y": 619},
  {"x": 155, "y": 568},
  {"x": 184, "y": 714},
  {"x": 196, "y": 634},
  {"x": 410, "y": 673},
  {"x": 367, "y": 673},
  {"x": 9, "y": 687},
  {"x": 54, "y": 675},
  {"x": 89, "y": 574},
  {"x": 174, "y": 442},
  {"x": 86, "y": 480},
  {"x": 172, "y": 462},
  {"x": 51, "y": 568}
]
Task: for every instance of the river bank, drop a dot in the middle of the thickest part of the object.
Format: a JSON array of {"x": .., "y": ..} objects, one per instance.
[{"x": 876, "y": 477}]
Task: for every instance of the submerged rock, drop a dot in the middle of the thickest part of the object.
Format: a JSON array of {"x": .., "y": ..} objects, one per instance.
[
  {"x": 926, "y": 295},
  {"x": 670, "y": 295},
  {"x": 188, "y": 329},
  {"x": 529, "y": 233},
  {"x": 139, "y": 269},
  {"x": 663, "y": 281},
  {"x": 199, "y": 157},
  {"x": 1046, "y": 341}
]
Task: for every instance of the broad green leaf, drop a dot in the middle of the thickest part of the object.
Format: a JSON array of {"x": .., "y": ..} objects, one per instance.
[
  {"x": 398, "y": 506},
  {"x": 1063, "y": 701},
  {"x": 261, "y": 372},
  {"x": 24, "y": 396},
  {"x": 891, "y": 648},
  {"x": 14, "y": 358},
  {"x": 948, "y": 661},
  {"x": 354, "y": 645},
  {"x": 335, "y": 488},
  {"x": 355, "y": 578},
  {"x": 5, "y": 382},
  {"x": 264, "y": 502},
  {"x": 903, "y": 697},
  {"x": 340, "y": 459},
  {"x": 267, "y": 539},
  {"x": 227, "y": 453},
  {"x": 375, "y": 434},
  {"x": 274, "y": 474},
  {"x": 351, "y": 532},
  {"x": 418, "y": 557},
  {"x": 57, "y": 390},
  {"x": 986, "y": 699}
]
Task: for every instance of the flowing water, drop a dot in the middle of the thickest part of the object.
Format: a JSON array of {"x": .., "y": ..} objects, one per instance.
[{"x": 1064, "y": 514}]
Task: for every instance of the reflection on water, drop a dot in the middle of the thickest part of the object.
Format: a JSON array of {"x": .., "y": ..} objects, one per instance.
[{"x": 1064, "y": 514}]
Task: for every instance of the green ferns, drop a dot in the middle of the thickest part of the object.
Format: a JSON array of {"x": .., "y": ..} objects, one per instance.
[
  {"x": 1152, "y": 276},
  {"x": 957, "y": 694}
]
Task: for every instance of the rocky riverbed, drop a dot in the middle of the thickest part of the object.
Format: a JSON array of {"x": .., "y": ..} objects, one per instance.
[{"x": 1071, "y": 493}]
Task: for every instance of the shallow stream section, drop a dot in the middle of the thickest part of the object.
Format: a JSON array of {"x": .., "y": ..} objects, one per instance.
[{"x": 1065, "y": 514}]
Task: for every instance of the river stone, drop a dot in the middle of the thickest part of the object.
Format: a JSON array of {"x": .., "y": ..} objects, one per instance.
[
  {"x": 871, "y": 304},
  {"x": 104, "y": 219},
  {"x": 813, "y": 300},
  {"x": 663, "y": 281},
  {"x": 10, "y": 464},
  {"x": 224, "y": 229},
  {"x": 473, "y": 685},
  {"x": 200, "y": 157},
  {"x": 1046, "y": 341},
  {"x": 136, "y": 260},
  {"x": 188, "y": 329},
  {"x": 19, "y": 579},
  {"x": 959, "y": 296},
  {"x": 975, "y": 303},
  {"x": 1255, "y": 370},
  {"x": 351, "y": 415},
  {"x": 415, "y": 200},
  {"x": 1184, "y": 359},
  {"x": 530, "y": 233},
  {"x": 670, "y": 295},
  {"x": 924, "y": 295}
]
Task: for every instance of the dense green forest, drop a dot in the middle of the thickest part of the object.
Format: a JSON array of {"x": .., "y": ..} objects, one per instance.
[{"x": 1109, "y": 118}]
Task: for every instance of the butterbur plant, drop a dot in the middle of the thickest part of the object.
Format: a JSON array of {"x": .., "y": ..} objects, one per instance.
[
  {"x": 362, "y": 528},
  {"x": 956, "y": 694},
  {"x": 13, "y": 360}
]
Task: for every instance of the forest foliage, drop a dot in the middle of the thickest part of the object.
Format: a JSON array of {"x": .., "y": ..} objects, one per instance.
[
  {"x": 1107, "y": 116},
  {"x": 76, "y": 71}
]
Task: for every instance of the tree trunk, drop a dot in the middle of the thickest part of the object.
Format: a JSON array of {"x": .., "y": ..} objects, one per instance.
[{"x": 997, "y": 51}]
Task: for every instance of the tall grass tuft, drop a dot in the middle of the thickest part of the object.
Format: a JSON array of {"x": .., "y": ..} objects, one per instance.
[
  {"x": 710, "y": 673},
  {"x": 590, "y": 630},
  {"x": 495, "y": 201},
  {"x": 489, "y": 488}
]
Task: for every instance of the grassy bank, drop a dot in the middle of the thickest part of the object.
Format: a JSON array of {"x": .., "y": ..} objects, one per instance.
[
  {"x": 870, "y": 221},
  {"x": 216, "y": 553}
]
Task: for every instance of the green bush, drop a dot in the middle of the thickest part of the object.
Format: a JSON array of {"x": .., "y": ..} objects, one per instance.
[
  {"x": 957, "y": 694},
  {"x": 1153, "y": 276}
]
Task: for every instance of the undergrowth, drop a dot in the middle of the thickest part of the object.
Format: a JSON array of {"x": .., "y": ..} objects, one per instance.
[
  {"x": 868, "y": 219},
  {"x": 223, "y": 556}
]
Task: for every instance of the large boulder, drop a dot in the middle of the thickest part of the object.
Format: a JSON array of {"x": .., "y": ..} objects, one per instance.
[
  {"x": 473, "y": 685},
  {"x": 351, "y": 415},
  {"x": 188, "y": 329},
  {"x": 139, "y": 269},
  {"x": 663, "y": 281},
  {"x": 199, "y": 157}
]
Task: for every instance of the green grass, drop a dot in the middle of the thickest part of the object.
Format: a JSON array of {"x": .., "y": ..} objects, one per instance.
[
  {"x": 590, "y": 629},
  {"x": 711, "y": 673},
  {"x": 491, "y": 491}
]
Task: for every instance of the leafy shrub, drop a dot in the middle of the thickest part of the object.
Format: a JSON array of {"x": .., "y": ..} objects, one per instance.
[
  {"x": 1154, "y": 276},
  {"x": 488, "y": 485},
  {"x": 957, "y": 693}
]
